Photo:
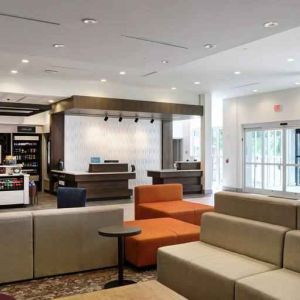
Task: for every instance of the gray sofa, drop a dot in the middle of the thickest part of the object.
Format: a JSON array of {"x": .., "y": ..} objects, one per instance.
[
  {"x": 238, "y": 247},
  {"x": 16, "y": 246},
  {"x": 278, "y": 284},
  {"x": 51, "y": 242}
]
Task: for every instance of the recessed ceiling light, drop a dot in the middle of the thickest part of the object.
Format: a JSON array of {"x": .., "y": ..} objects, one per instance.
[
  {"x": 14, "y": 72},
  {"x": 173, "y": 88},
  {"x": 209, "y": 46},
  {"x": 58, "y": 45},
  {"x": 122, "y": 73},
  {"x": 25, "y": 61},
  {"x": 297, "y": 83},
  {"x": 290, "y": 59},
  {"x": 197, "y": 82},
  {"x": 103, "y": 80},
  {"x": 89, "y": 21},
  {"x": 50, "y": 101},
  {"x": 255, "y": 91},
  {"x": 237, "y": 73},
  {"x": 271, "y": 24},
  {"x": 164, "y": 61}
]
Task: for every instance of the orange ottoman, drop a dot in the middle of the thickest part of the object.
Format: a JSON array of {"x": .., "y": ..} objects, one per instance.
[{"x": 141, "y": 249}]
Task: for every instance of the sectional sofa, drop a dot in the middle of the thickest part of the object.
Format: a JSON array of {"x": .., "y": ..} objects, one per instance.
[
  {"x": 56, "y": 241},
  {"x": 248, "y": 249}
]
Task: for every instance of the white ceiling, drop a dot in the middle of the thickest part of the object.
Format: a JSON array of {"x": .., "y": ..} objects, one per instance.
[
  {"x": 100, "y": 51},
  {"x": 26, "y": 98}
]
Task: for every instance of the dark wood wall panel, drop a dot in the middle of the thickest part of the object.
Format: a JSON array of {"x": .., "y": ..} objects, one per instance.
[
  {"x": 113, "y": 104},
  {"x": 57, "y": 139},
  {"x": 167, "y": 144}
]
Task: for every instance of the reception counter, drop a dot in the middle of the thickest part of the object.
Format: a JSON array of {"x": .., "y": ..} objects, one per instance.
[
  {"x": 190, "y": 179},
  {"x": 99, "y": 185}
]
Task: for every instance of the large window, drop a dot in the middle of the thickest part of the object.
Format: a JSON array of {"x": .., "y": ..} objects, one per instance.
[
  {"x": 217, "y": 157},
  {"x": 186, "y": 140},
  {"x": 272, "y": 160}
]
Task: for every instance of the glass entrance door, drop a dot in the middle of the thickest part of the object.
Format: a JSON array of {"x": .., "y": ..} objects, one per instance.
[{"x": 264, "y": 163}]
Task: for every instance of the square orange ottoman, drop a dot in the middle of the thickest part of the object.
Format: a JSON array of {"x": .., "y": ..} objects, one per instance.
[{"x": 141, "y": 249}]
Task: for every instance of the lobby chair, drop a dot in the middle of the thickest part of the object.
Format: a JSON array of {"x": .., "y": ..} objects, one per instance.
[
  {"x": 166, "y": 201},
  {"x": 71, "y": 197}
]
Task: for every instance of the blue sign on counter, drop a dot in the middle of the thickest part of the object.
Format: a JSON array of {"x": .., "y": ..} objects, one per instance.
[{"x": 95, "y": 160}]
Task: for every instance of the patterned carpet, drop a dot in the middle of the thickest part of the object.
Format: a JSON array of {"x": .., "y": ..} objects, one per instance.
[{"x": 59, "y": 286}]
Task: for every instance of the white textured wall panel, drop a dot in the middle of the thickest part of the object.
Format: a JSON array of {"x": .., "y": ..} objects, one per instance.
[{"x": 129, "y": 142}]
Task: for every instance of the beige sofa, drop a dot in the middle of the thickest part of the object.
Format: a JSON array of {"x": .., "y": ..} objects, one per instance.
[
  {"x": 278, "y": 211},
  {"x": 236, "y": 244},
  {"x": 16, "y": 246},
  {"x": 50, "y": 242},
  {"x": 278, "y": 284}
]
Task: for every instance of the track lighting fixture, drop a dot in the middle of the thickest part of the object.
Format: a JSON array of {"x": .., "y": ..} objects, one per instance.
[
  {"x": 152, "y": 121},
  {"x": 120, "y": 119},
  {"x": 136, "y": 119},
  {"x": 106, "y": 118}
]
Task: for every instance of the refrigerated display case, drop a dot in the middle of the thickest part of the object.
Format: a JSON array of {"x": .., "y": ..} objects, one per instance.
[
  {"x": 27, "y": 149},
  {"x": 14, "y": 189}
]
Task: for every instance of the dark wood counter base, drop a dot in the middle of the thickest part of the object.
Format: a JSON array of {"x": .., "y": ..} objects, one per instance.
[
  {"x": 99, "y": 186},
  {"x": 190, "y": 179}
]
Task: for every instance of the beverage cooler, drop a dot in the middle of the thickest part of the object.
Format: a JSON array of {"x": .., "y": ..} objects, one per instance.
[
  {"x": 27, "y": 149},
  {"x": 14, "y": 189}
]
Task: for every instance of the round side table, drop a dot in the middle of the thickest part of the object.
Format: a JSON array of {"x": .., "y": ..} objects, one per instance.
[{"x": 120, "y": 232}]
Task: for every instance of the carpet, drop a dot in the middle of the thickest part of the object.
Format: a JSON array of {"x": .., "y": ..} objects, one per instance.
[{"x": 66, "y": 285}]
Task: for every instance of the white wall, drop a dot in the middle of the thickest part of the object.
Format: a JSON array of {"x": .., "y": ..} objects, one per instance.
[
  {"x": 129, "y": 142},
  {"x": 252, "y": 109},
  {"x": 206, "y": 143}
]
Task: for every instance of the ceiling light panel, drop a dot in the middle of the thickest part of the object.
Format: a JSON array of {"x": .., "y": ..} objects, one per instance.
[
  {"x": 89, "y": 21},
  {"x": 271, "y": 24}
]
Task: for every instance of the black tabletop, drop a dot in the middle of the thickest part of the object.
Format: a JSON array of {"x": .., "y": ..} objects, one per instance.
[{"x": 119, "y": 230}]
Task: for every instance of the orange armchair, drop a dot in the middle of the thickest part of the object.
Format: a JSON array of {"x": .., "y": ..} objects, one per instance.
[{"x": 166, "y": 200}]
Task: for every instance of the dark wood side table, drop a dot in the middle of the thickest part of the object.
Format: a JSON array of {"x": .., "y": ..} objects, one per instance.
[
  {"x": 6, "y": 297},
  {"x": 120, "y": 232}
]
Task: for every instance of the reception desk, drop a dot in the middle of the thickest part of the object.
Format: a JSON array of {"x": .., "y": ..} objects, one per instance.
[
  {"x": 190, "y": 179},
  {"x": 99, "y": 185}
]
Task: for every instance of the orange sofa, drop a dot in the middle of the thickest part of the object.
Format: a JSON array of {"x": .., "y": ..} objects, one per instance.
[
  {"x": 141, "y": 249},
  {"x": 165, "y": 200}
]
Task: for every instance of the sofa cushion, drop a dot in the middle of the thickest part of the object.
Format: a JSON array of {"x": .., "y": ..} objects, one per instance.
[
  {"x": 291, "y": 258},
  {"x": 258, "y": 240},
  {"x": 278, "y": 211},
  {"x": 278, "y": 284},
  {"x": 16, "y": 250},
  {"x": 158, "y": 193},
  {"x": 66, "y": 240},
  {"x": 141, "y": 249},
  {"x": 182, "y": 210},
  {"x": 201, "y": 271}
]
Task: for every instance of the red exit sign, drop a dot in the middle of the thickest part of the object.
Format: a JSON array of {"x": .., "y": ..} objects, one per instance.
[{"x": 277, "y": 107}]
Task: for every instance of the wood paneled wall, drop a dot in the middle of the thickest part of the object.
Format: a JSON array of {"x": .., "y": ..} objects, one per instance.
[
  {"x": 57, "y": 139},
  {"x": 167, "y": 145}
]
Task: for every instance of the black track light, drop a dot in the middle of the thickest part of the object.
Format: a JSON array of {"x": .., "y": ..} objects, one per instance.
[
  {"x": 152, "y": 121},
  {"x": 136, "y": 119},
  {"x": 106, "y": 118},
  {"x": 120, "y": 119}
]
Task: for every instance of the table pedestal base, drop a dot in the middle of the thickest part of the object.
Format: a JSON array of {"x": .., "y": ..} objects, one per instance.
[{"x": 117, "y": 283}]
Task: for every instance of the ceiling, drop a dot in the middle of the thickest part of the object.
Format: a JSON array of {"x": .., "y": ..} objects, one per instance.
[
  {"x": 176, "y": 31},
  {"x": 26, "y": 98}
]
